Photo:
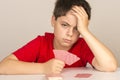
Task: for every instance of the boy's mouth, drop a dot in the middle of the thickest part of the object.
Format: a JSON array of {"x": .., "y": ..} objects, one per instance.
[{"x": 67, "y": 41}]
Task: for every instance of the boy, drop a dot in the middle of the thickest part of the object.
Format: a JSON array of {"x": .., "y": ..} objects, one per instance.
[{"x": 70, "y": 20}]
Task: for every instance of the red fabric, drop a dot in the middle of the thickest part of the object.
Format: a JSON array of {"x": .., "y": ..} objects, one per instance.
[{"x": 40, "y": 50}]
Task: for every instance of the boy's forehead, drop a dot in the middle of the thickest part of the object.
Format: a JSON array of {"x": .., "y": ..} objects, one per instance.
[
  {"x": 69, "y": 15},
  {"x": 69, "y": 18}
]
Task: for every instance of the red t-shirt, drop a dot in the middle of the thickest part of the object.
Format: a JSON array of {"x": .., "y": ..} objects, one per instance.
[{"x": 41, "y": 48}]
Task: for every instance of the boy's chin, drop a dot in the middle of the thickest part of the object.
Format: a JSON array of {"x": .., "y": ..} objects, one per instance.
[{"x": 67, "y": 45}]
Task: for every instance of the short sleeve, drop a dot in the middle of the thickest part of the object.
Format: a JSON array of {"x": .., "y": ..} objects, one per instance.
[
  {"x": 29, "y": 52},
  {"x": 88, "y": 55}
]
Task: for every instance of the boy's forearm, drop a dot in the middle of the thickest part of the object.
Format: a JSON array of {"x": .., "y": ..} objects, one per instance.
[
  {"x": 19, "y": 67},
  {"x": 103, "y": 55}
]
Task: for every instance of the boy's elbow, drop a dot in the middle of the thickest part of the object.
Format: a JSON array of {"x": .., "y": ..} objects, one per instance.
[
  {"x": 114, "y": 67},
  {"x": 4, "y": 71},
  {"x": 1, "y": 70},
  {"x": 108, "y": 67},
  {"x": 111, "y": 68}
]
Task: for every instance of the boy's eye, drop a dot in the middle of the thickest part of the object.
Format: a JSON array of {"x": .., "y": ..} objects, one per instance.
[{"x": 64, "y": 24}]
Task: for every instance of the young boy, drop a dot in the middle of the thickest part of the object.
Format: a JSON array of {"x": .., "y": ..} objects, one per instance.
[{"x": 70, "y": 21}]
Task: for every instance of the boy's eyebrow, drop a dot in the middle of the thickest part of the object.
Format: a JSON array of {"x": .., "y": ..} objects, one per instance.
[{"x": 66, "y": 23}]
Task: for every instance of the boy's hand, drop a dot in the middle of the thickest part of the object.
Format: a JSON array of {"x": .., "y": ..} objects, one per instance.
[
  {"x": 53, "y": 66},
  {"x": 82, "y": 24}
]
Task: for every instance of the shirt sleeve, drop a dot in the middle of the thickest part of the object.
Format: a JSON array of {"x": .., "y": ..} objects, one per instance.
[
  {"x": 88, "y": 55},
  {"x": 29, "y": 52}
]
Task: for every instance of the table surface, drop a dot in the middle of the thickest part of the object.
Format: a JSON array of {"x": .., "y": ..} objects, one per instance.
[{"x": 69, "y": 74}]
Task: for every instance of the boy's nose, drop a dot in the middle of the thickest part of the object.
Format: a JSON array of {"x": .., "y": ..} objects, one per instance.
[{"x": 70, "y": 32}]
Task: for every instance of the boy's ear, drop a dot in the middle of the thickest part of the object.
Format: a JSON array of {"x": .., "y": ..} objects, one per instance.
[{"x": 53, "y": 21}]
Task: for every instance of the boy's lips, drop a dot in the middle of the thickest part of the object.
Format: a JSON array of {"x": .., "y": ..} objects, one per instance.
[{"x": 67, "y": 41}]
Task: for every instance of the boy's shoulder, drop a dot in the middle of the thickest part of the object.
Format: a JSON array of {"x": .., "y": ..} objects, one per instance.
[
  {"x": 82, "y": 41},
  {"x": 47, "y": 37},
  {"x": 46, "y": 34}
]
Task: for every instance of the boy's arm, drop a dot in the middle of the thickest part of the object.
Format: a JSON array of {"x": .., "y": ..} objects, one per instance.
[
  {"x": 11, "y": 65},
  {"x": 104, "y": 59}
]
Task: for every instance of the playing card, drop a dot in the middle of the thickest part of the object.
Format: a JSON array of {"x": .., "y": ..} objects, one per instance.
[
  {"x": 54, "y": 77},
  {"x": 71, "y": 58},
  {"x": 65, "y": 56},
  {"x": 60, "y": 54},
  {"x": 83, "y": 75}
]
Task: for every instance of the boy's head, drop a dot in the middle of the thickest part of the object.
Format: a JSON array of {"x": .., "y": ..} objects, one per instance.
[{"x": 63, "y": 6}]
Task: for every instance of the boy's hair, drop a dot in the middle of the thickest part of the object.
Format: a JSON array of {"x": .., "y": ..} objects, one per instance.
[{"x": 63, "y": 6}]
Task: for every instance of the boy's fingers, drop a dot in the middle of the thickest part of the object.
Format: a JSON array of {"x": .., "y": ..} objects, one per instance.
[
  {"x": 60, "y": 62},
  {"x": 79, "y": 10}
]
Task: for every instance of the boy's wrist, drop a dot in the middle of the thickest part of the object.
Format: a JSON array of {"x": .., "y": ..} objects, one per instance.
[
  {"x": 40, "y": 68},
  {"x": 43, "y": 68},
  {"x": 84, "y": 33}
]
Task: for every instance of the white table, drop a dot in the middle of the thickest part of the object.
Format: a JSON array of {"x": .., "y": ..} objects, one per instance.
[
  {"x": 68, "y": 74},
  {"x": 96, "y": 75}
]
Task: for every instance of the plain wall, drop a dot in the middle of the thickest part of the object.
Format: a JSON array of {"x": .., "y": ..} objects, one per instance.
[{"x": 22, "y": 20}]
